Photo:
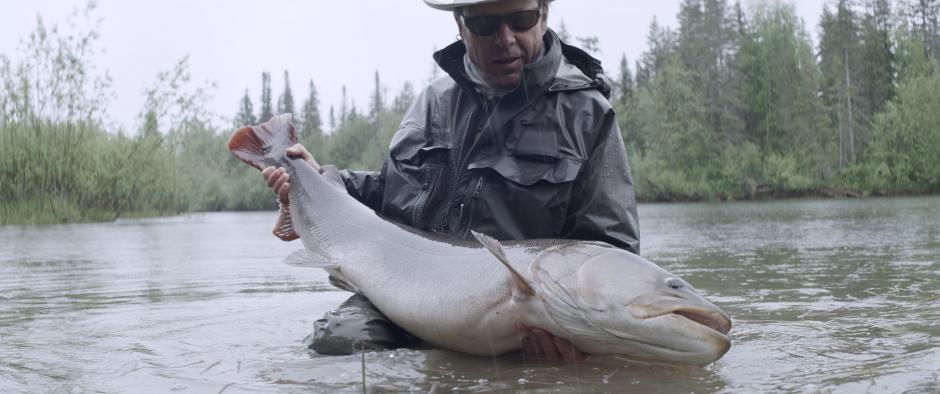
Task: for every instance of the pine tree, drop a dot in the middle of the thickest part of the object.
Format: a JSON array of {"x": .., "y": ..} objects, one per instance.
[
  {"x": 266, "y": 109},
  {"x": 311, "y": 112},
  {"x": 925, "y": 20},
  {"x": 332, "y": 120},
  {"x": 840, "y": 63},
  {"x": 876, "y": 82},
  {"x": 285, "y": 102},
  {"x": 343, "y": 110},
  {"x": 246, "y": 112},
  {"x": 404, "y": 99},
  {"x": 377, "y": 102},
  {"x": 311, "y": 132},
  {"x": 625, "y": 89}
]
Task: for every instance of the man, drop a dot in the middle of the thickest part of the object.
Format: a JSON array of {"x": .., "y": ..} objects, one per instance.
[{"x": 517, "y": 142}]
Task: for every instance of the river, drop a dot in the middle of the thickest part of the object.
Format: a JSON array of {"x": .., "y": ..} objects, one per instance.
[{"x": 825, "y": 296}]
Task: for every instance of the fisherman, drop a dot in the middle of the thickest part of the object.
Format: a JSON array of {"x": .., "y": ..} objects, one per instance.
[{"x": 518, "y": 141}]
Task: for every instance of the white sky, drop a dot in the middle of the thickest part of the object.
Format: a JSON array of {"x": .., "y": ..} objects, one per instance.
[{"x": 333, "y": 42}]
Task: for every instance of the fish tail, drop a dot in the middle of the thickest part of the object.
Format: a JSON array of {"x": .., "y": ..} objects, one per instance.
[{"x": 261, "y": 145}]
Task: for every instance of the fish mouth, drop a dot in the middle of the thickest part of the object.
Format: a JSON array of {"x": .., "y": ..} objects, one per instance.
[{"x": 712, "y": 320}]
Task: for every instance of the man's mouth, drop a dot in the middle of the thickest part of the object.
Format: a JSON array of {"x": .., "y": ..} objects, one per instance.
[{"x": 506, "y": 61}]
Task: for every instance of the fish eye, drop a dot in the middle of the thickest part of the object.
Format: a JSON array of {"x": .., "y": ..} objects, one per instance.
[{"x": 675, "y": 283}]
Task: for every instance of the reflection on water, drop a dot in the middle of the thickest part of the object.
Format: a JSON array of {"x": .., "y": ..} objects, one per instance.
[{"x": 834, "y": 295}]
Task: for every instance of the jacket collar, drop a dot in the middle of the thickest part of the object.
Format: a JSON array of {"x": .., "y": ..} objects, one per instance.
[{"x": 577, "y": 70}]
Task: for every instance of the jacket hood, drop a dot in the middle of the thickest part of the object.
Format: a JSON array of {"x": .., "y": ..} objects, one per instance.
[{"x": 563, "y": 67}]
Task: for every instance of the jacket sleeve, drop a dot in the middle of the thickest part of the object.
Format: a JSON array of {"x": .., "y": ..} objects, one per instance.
[
  {"x": 603, "y": 206},
  {"x": 366, "y": 186}
]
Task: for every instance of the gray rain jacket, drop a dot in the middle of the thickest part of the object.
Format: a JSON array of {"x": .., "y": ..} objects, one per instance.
[{"x": 544, "y": 161}]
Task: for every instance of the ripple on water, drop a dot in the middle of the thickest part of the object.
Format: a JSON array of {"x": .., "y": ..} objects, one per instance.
[{"x": 825, "y": 296}]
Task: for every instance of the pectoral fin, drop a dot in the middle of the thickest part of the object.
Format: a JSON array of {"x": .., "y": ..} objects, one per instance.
[
  {"x": 308, "y": 259},
  {"x": 496, "y": 249}
]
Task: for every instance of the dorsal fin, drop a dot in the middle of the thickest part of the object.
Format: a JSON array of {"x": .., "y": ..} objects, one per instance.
[
  {"x": 260, "y": 145},
  {"x": 496, "y": 249}
]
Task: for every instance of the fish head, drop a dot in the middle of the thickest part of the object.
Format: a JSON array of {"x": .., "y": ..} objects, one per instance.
[{"x": 616, "y": 302}]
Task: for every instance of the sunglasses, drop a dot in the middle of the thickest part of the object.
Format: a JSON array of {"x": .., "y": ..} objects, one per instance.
[{"x": 485, "y": 25}]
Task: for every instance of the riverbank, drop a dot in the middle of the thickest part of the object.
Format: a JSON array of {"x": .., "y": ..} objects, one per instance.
[
  {"x": 766, "y": 194},
  {"x": 60, "y": 212}
]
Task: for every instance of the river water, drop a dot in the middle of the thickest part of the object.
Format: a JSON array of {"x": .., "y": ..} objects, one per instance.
[{"x": 825, "y": 295}]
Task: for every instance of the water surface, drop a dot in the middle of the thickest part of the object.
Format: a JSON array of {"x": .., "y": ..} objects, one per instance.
[{"x": 827, "y": 295}]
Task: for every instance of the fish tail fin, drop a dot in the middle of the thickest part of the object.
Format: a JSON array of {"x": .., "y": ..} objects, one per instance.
[{"x": 260, "y": 146}]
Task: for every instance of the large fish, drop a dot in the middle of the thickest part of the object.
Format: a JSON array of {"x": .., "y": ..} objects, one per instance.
[{"x": 483, "y": 297}]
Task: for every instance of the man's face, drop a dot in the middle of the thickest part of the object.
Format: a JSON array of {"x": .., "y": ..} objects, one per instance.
[{"x": 500, "y": 56}]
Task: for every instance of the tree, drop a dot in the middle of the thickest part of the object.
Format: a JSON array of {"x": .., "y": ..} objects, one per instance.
[
  {"x": 784, "y": 114},
  {"x": 246, "y": 112},
  {"x": 708, "y": 46},
  {"x": 343, "y": 110},
  {"x": 403, "y": 101},
  {"x": 376, "y": 102},
  {"x": 840, "y": 63},
  {"x": 876, "y": 76},
  {"x": 906, "y": 136},
  {"x": 924, "y": 17},
  {"x": 332, "y": 120},
  {"x": 311, "y": 133},
  {"x": 285, "y": 103},
  {"x": 624, "y": 86},
  {"x": 661, "y": 44},
  {"x": 266, "y": 110}
]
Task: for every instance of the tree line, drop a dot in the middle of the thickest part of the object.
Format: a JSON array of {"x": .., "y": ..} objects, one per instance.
[
  {"x": 739, "y": 103},
  {"x": 734, "y": 103}
]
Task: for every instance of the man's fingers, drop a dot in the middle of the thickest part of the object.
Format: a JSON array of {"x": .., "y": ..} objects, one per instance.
[
  {"x": 530, "y": 347},
  {"x": 283, "y": 193},
  {"x": 274, "y": 176},
  {"x": 568, "y": 351},
  {"x": 266, "y": 172},
  {"x": 546, "y": 343},
  {"x": 280, "y": 181},
  {"x": 298, "y": 150}
]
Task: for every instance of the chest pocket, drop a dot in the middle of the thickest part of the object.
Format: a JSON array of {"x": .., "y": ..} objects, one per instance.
[{"x": 532, "y": 155}]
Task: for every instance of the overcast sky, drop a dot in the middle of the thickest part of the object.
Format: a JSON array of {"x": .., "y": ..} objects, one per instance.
[{"x": 335, "y": 43}]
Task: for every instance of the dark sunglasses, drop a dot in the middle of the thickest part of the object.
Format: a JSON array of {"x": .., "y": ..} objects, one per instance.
[{"x": 485, "y": 25}]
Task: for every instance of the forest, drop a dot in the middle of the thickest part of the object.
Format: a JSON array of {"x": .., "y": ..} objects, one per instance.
[{"x": 736, "y": 102}]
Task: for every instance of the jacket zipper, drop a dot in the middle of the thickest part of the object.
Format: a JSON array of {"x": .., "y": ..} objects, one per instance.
[
  {"x": 422, "y": 198},
  {"x": 473, "y": 200}
]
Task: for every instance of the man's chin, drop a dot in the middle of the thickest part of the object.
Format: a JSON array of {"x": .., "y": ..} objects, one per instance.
[{"x": 508, "y": 82}]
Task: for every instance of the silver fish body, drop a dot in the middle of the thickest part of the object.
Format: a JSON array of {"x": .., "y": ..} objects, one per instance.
[{"x": 459, "y": 295}]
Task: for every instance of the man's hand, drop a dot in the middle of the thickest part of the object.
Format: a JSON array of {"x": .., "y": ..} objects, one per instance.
[
  {"x": 278, "y": 179},
  {"x": 542, "y": 344}
]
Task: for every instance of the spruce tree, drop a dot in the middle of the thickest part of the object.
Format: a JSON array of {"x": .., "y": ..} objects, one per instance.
[
  {"x": 246, "y": 112},
  {"x": 404, "y": 99},
  {"x": 376, "y": 102},
  {"x": 285, "y": 102},
  {"x": 311, "y": 132},
  {"x": 625, "y": 82},
  {"x": 266, "y": 110}
]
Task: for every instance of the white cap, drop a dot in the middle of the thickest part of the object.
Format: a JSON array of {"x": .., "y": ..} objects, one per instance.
[{"x": 450, "y": 5}]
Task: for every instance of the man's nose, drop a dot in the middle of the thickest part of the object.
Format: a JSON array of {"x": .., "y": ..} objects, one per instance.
[{"x": 505, "y": 37}]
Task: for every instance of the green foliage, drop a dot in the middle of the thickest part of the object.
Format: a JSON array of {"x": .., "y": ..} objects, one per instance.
[
  {"x": 904, "y": 152},
  {"x": 731, "y": 105}
]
